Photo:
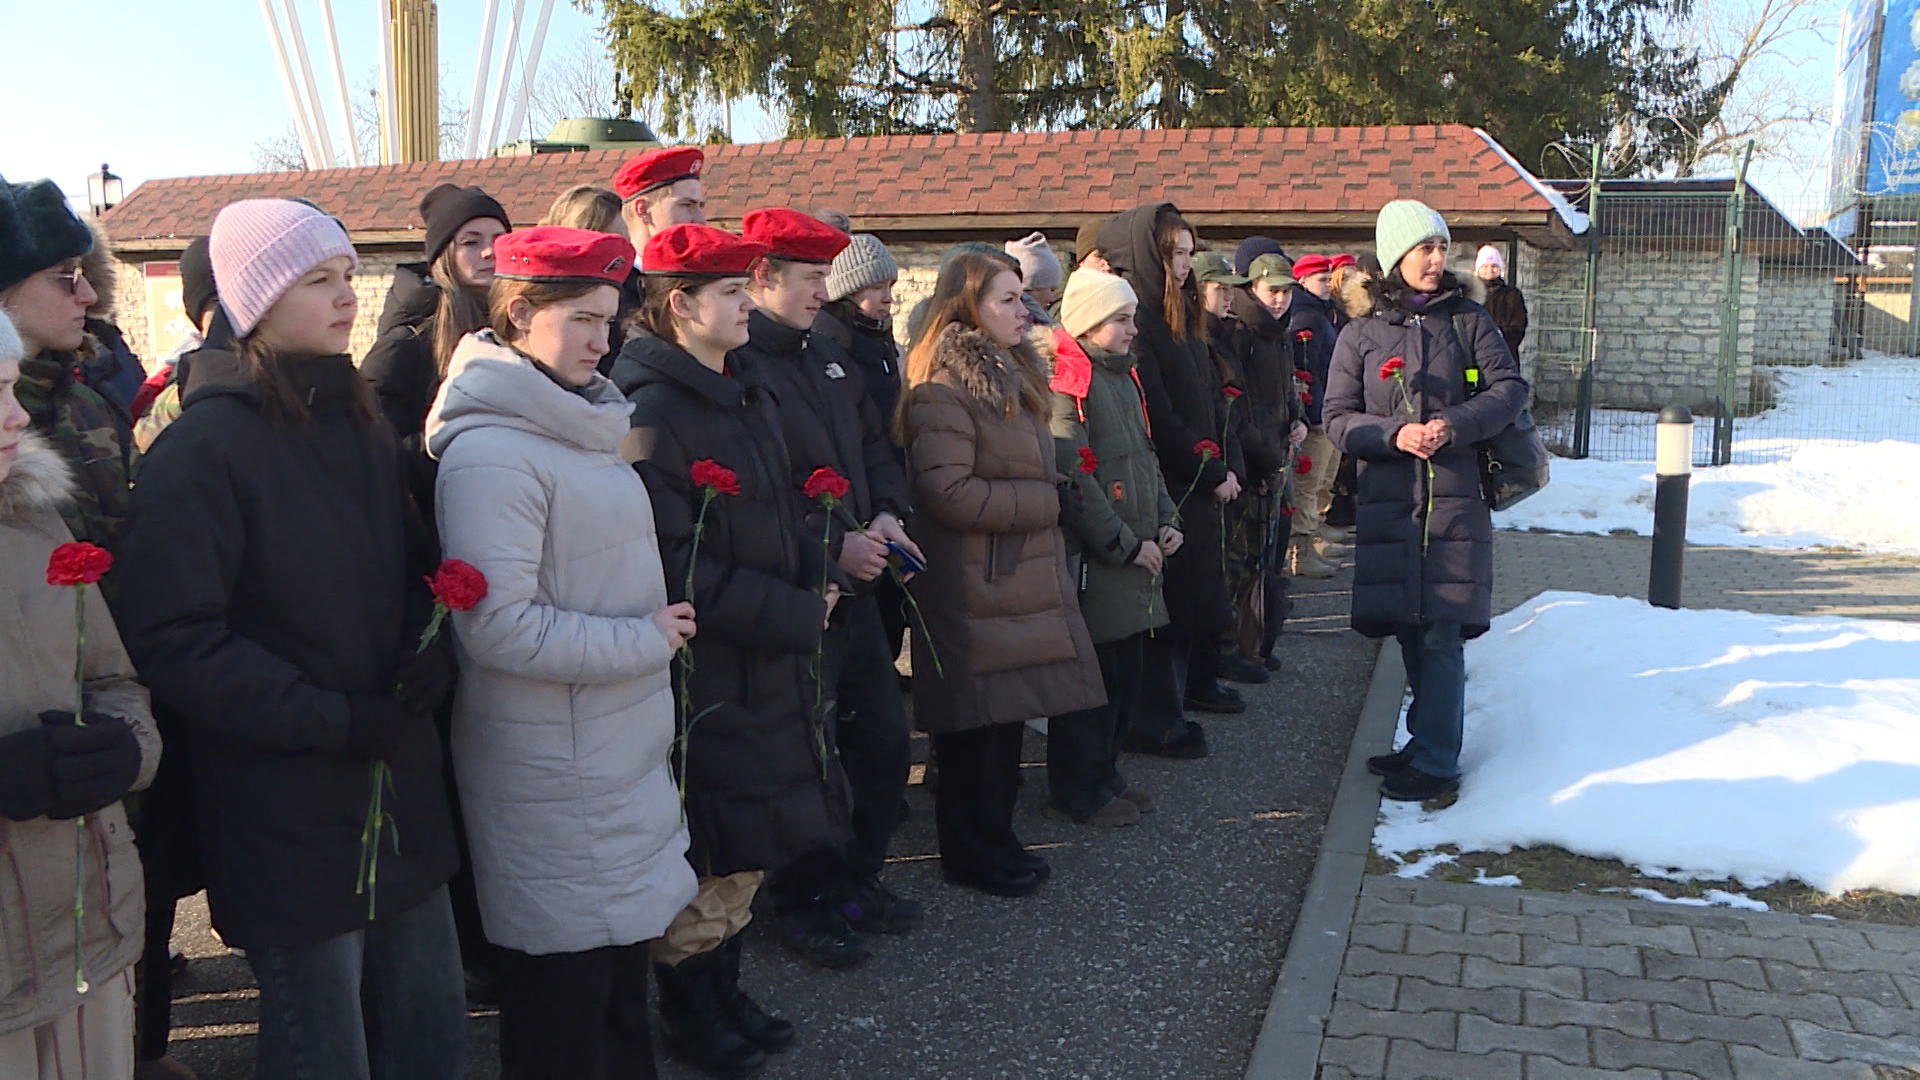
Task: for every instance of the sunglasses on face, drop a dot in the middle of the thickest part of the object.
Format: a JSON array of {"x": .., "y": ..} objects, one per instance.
[{"x": 69, "y": 277}]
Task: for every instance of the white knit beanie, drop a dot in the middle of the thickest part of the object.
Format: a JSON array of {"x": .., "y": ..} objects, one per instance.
[
  {"x": 862, "y": 264},
  {"x": 260, "y": 247},
  {"x": 1093, "y": 297},
  {"x": 1039, "y": 266},
  {"x": 1490, "y": 256},
  {"x": 11, "y": 347}
]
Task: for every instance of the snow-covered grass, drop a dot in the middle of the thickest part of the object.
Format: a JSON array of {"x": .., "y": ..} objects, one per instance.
[
  {"x": 1857, "y": 485},
  {"x": 1710, "y": 745}
]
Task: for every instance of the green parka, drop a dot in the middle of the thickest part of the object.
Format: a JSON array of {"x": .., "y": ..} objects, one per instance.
[{"x": 1098, "y": 406}]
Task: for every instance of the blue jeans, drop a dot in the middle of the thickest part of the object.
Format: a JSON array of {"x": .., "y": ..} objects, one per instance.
[
  {"x": 384, "y": 1003},
  {"x": 1437, "y": 674}
]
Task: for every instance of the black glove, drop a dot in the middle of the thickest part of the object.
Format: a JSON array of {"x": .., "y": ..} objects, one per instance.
[
  {"x": 378, "y": 726},
  {"x": 93, "y": 766},
  {"x": 426, "y": 678},
  {"x": 1073, "y": 503},
  {"x": 26, "y": 774}
]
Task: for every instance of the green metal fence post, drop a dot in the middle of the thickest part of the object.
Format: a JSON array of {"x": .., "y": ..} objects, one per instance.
[
  {"x": 1590, "y": 347},
  {"x": 1724, "y": 403}
]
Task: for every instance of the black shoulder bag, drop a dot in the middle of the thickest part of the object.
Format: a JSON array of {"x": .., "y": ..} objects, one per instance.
[{"x": 1513, "y": 463}]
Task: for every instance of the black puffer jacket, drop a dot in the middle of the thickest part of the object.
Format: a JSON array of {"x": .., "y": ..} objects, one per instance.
[
  {"x": 872, "y": 346},
  {"x": 269, "y": 573},
  {"x": 1313, "y": 315},
  {"x": 763, "y": 786},
  {"x": 1424, "y": 536},
  {"x": 1184, "y": 405},
  {"x": 828, "y": 420},
  {"x": 400, "y": 364},
  {"x": 1266, "y": 359}
]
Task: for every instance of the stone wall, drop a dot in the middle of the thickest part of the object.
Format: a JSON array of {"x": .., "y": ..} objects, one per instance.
[{"x": 1794, "y": 315}]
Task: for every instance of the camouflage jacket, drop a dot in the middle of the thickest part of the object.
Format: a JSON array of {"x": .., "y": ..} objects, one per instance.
[{"x": 91, "y": 434}]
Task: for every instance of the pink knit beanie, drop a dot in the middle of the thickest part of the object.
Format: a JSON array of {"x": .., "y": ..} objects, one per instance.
[{"x": 260, "y": 247}]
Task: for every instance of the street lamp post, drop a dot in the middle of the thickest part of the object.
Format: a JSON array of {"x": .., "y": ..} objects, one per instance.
[{"x": 104, "y": 190}]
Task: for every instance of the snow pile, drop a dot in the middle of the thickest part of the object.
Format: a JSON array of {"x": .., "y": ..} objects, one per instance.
[
  {"x": 1701, "y": 744},
  {"x": 1861, "y": 496}
]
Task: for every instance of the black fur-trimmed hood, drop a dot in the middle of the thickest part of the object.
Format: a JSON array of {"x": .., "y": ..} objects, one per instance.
[{"x": 1362, "y": 294}]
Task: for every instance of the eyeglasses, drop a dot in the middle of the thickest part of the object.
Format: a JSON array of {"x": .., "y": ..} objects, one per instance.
[{"x": 71, "y": 279}]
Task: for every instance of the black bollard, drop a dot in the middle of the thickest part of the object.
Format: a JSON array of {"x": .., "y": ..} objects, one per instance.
[{"x": 1673, "y": 470}]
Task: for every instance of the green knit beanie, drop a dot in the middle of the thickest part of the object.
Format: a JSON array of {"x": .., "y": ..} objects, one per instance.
[{"x": 1405, "y": 224}]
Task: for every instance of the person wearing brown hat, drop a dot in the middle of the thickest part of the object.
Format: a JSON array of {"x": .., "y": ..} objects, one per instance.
[
  {"x": 761, "y": 789},
  {"x": 829, "y": 901},
  {"x": 660, "y": 189}
]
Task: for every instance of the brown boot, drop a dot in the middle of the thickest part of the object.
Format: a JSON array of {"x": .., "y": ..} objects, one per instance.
[{"x": 1302, "y": 562}]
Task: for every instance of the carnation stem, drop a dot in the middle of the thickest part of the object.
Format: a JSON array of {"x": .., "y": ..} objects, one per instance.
[{"x": 80, "y": 823}]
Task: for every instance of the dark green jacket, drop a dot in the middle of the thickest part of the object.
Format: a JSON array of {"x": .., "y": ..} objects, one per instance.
[
  {"x": 1125, "y": 501},
  {"x": 91, "y": 435}
]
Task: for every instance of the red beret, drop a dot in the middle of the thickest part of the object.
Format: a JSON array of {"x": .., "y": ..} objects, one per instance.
[
  {"x": 551, "y": 253},
  {"x": 657, "y": 169},
  {"x": 1342, "y": 259},
  {"x": 1311, "y": 264},
  {"x": 699, "y": 251},
  {"x": 794, "y": 236}
]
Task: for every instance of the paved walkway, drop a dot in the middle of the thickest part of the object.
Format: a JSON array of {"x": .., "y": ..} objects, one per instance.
[{"x": 1443, "y": 981}]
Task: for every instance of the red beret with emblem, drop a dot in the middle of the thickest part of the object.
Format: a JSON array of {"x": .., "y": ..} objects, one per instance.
[
  {"x": 1311, "y": 264},
  {"x": 699, "y": 251},
  {"x": 794, "y": 236},
  {"x": 657, "y": 169},
  {"x": 551, "y": 253},
  {"x": 1342, "y": 259}
]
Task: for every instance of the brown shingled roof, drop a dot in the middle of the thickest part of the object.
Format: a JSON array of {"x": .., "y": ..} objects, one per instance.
[{"x": 1299, "y": 178}]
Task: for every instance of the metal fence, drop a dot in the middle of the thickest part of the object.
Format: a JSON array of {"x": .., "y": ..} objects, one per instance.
[{"x": 1776, "y": 334}]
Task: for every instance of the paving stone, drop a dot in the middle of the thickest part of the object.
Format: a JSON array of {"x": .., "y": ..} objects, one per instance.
[
  {"x": 1769, "y": 1033},
  {"x": 1613, "y": 1050},
  {"x": 1423, "y": 940},
  {"x": 1572, "y": 904},
  {"x": 1715, "y": 945},
  {"x": 1439, "y": 916},
  {"x": 1388, "y": 887},
  {"x": 1824, "y": 1009},
  {"x": 1334, "y": 1072},
  {"x": 1562, "y": 928},
  {"x": 1875, "y": 986},
  {"x": 1479, "y": 973},
  {"x": 1434, "y": 1029},
  {"x": 1807, "y": 928},
  {"x": 1910, "y": 986},
  {"x": 1872, "y": 1018},
  {"x": 1484, "y": 897},
  {"x": 1439, "y": 968},
  {"x": 1412, "y": 1061},
  {"x": 1894, "y": 939},
  {"x": 1667, "y": 915},
  {"x": 1369, "y": 991},
  {"x": 1619, "y": 959},
  {"x": 1841, "y": 958},
  {"x": 1674, "y": 939},
  {"x": 1362, "y": 1056},
  {"x": 1479, "y": 1035},
  {"x": 1386, "y": 937},
  {"x": 1752, "y": 1064},
  {"x": 1631, "y": 1017},
  {"x": 1500, "y": 1003},
  {"x": 1824, "y": 1044},
  {"x": 1739, "y": 970},
  {"x": 1546, "y": 1068},
  {"x": 1686, "y": 993}
]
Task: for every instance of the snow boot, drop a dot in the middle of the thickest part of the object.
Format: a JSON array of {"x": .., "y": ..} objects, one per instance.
[
  {"x": 755, "y": 1024},
  {"x": 698, "y": 1029},
  {"x": 1302, "y": 562}
]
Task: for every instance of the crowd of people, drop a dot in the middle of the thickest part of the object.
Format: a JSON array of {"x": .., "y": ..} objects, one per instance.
[{"x": 709, "y": 499}]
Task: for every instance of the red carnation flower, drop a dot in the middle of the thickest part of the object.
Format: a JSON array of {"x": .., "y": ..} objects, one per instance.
[
  {"x": 1231, "y": 392},
  {"x": 1207, "y": 448},
  {"x": 1304, "y": 335},
  {"x": 1302, "y": 465},
  {"x": 708, "y": 473},
  {"x": 78, "y": 564},
  {"x": 457, "y": 586},
  {"x": 1287, "y": 510},
  {"x": 1306, "y": 398},
  {"x": 1392, "y": 368},
  {"x": 1088, "y": 463},
  {"x": 825, "y": 484},
  {"x": 1304, "y": 376}
]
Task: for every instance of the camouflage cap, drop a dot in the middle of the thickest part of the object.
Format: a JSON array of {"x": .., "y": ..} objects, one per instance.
[
  {"x": 1273, "y": 269},
  {"x": 1213, "y": 266}
]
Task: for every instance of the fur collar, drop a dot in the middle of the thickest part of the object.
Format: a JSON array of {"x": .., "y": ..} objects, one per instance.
[
  {"x": 40, "y": 479},
  {"x": 1363, "y": 294},
  {"x": 994, "y": 376}
]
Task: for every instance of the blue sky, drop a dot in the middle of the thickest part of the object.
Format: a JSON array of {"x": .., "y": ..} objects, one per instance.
[{"x": 160, "y": 88}]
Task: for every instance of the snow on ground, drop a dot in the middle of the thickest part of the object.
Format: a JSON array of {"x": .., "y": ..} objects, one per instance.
[
  {"x": 1696, "y": 744},
  {"x": 1857, "y": 486}
]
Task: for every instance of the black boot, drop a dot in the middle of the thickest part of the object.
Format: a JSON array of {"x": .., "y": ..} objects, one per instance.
[
  {"x": 1216, "y": 699},
  {"x": 1412, "y": 785},
  {"x": 1388, "y": 764},
  {"x": 755, "y": 1024},
  {"x": 698, "y": 1030},
  {"x": 1237, "y": 668}
]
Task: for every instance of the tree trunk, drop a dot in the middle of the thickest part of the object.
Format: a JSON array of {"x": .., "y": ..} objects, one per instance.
[
  {"x": 1171, "y": 112},
  {"x": 974, "y": 111}
]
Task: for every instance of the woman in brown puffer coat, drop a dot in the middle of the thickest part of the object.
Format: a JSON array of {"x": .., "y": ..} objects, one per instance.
[{"x": 1004, "y": 639}]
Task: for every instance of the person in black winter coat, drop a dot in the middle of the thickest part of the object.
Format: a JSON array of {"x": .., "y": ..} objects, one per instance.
[
  {"x": 433, "y": 304},
  {"x": 1316, "y": 548},
  {"x": 272, "y": 598},
  {"x": 1152, "y": 247},
  {"x": 763, "y": 786},
  {"x": 1505, "y": 303},
  {"x": 829, "y": 421},
  {"x": 1409, "y": 398},
  {"x": 1269, "y": 356}
]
